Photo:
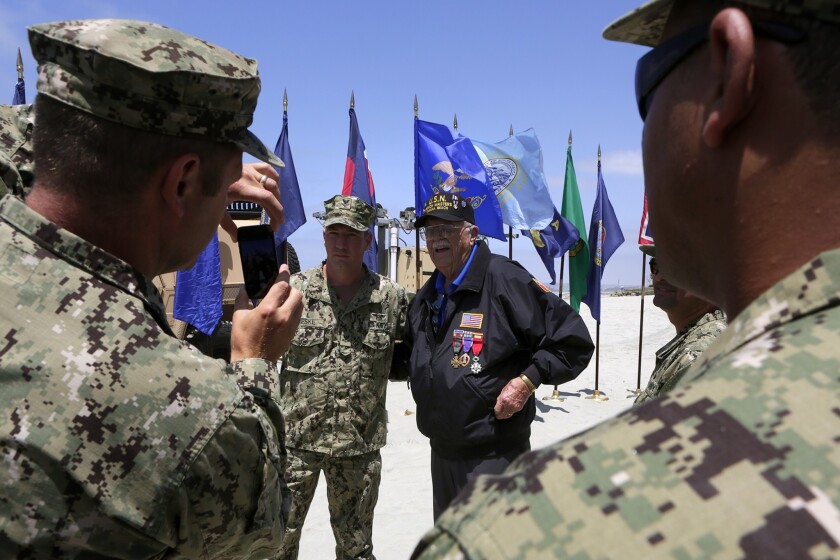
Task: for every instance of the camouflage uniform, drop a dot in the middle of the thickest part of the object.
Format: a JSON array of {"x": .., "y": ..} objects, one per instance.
[
  {"x": 17, "y": 169},
  {"x": 741, "y": 459},
  {"x": 334, "y": 379},
  {"x": 674, "y": 359},
  {"x": 741, "y": 463},
  {"x": 116, "y": 438}
]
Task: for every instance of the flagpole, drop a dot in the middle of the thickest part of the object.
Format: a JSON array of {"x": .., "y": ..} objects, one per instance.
[
  {"x": 416, "y": 231},
  {"x": 637, "y": 392},
  {"x": 597, "y": 396},
  {"x": 510, "y": 229},
  {"x": 555, "y": 393}
]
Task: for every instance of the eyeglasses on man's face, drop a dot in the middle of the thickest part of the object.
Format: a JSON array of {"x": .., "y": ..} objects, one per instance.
[
  {"x": 655, "y": 66},
  {"x": 654, "y": 268},
  {"x": 442, "y": 230}
]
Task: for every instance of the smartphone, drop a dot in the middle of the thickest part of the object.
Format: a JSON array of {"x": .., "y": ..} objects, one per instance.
[{"x": 259, "y": 259}]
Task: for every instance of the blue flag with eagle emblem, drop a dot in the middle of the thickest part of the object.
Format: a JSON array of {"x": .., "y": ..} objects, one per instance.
[
  {"x": 604, "y": 238},
  {"x": 446, "y": 162},
  {"x": 515, "y": 170},
  {"x": 553, "y": 241}
]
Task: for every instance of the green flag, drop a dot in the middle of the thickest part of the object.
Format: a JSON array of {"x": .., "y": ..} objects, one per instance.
[{"x": 579, "y": 253}]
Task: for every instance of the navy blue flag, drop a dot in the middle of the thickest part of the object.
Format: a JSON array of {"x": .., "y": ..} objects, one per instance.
[
  {"x": 358, "y": 181},
  {"x": 446, "y": 162},
  {"x": 604, "y": 238},
  {"x": 289, "y": 193},
  {"x": 20, "y": 93},
  {"x": 198, "y": 290},
  {"x": 553, "y": 241}
]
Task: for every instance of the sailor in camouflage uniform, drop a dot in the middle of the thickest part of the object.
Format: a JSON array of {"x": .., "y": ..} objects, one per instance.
[
  {"x": 698, "y": 324},
  {"x": 116, "y": 438},
  {"x": 16, "y": 163},
  {"x": 742, "y": 459},
  {"x": 334, "y": 379}
]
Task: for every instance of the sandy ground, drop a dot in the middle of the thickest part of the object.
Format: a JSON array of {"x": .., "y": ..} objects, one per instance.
[{"x": 404, "y": 511}]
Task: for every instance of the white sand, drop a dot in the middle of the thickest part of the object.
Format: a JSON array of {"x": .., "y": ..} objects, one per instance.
[{"x": 404, "y": 511}]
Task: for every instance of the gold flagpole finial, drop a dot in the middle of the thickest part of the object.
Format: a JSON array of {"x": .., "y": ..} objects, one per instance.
[
  {"x": 19, "y": 66},
  {"x": 285, "y": 101},
  {"x": 352, "y": 100},
  {"x": 599, "y": 154},
  {"x": 416, "y": 107},
  {"x": 455, "y": 122},
  {"x": 510, "y": 132},
  {"x": 570, "y": 137}
]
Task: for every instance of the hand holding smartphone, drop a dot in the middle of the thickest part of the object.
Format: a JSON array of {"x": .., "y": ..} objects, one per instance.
[{"x": 259, "y": 259}]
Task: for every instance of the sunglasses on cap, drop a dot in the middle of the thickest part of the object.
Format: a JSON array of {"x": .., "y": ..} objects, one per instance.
[{"x": 655, "y": 66}]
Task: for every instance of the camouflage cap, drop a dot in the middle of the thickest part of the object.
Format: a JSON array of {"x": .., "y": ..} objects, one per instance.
[
  {"x": 644, "y": 25},
  {"x": 17, "y": 166},
  {"x": 150, "y": 77},
  {"x": 350, "y": 211},
  {"x": 649, "y": 250}
]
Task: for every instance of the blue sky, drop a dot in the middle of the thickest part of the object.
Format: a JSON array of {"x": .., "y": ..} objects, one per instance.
[{"x": 531, "y": 64}]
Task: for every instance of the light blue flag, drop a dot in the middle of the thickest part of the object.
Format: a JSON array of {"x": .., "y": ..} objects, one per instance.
[
  {"x": 446, "y": 162},
  {"x": 515, "y": 170}
]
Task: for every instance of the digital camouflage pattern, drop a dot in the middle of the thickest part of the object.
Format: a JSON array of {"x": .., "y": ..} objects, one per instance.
[
  {"x": 17, "y": 167},
  {"x": 334, "y": 379},
  {"x": 336, "y": 372},
  {"x": 351, "y": 508},
  {"x": 147, "y": 76},
  {"x": 644, "y": 25},
  {"x": 350, "y": 211},
  {"x": 115, "y": 436},
  {"x": 674, "y": 359},
  {"x": 742, "y": 459}
]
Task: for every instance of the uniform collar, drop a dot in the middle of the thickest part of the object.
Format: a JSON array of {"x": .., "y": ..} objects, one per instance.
[
  {"x": 810, "y": 289},
  {"x": 367, "y": 292},
  {"x": 84, "y": 255}
]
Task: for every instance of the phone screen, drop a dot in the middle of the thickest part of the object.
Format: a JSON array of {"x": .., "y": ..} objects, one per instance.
[{"x": 259, "y": 259}]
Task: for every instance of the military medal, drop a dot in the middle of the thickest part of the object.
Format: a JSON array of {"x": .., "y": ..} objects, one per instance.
[
  {"x": 457, "y": 341},
  {"x": 460, "y": 361},
  {"x": 477, "y": 343},
  {"x": 476, "y": 366}
]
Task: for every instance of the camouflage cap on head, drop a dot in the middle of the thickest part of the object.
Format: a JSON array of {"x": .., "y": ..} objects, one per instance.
[
  {"x": 649, "y": 250},
  {"x": 644, "y": 25},
  {"x": 350, "y": 211},
  {"x": 147, "y": 76}
]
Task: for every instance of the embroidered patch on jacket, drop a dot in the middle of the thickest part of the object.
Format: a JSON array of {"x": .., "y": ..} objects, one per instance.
[
  {"x": 541, "y": 285},
  {"x": 472, "y": 320}
]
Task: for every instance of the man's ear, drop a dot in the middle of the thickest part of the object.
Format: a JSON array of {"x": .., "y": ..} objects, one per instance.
[
  {"x": 473, "y": 233},
  {"x": 732, "y": 45},
  {"x": 368, "y": 239},
  {"x": 181, "y": 181}
]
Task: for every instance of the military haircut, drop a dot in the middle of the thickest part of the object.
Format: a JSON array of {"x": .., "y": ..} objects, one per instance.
[{"x": 93, "y": 158}]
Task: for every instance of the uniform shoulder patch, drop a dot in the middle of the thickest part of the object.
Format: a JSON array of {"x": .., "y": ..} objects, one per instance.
[{"x": 542, "y": 286}]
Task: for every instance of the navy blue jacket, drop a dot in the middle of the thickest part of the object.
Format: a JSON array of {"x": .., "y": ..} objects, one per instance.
[{"x": 526, "y": 329}]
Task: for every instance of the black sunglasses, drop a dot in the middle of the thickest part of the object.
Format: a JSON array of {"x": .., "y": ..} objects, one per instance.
[{"x": 653, "y": 67}]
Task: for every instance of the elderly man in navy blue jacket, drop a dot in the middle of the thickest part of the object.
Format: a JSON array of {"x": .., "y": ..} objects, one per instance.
[{"x": 484, "y": 335}]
